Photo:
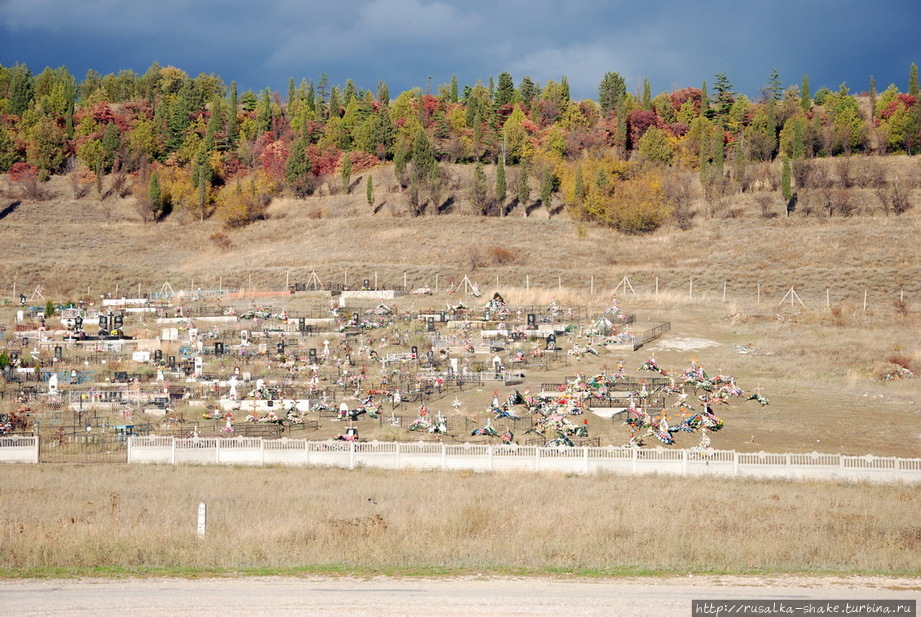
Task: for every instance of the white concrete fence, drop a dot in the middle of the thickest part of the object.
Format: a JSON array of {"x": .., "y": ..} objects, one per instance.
[
  {"x": 439, "y": 456},
  {"x": 18, "y": 449}
]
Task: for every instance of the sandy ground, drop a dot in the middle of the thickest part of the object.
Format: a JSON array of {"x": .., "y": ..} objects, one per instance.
[{"x": 390, "y": 597}]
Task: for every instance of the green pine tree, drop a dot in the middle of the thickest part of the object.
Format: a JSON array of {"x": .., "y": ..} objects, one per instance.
[
  {"x": 805, "y": 95},
  {"x": 611, "y": 91},
  {"x": 154, "y": 196},
  {"x": 913, "y": 80},
  {"x": 345, "y": 172},
  {"x": 501, "y": 186},
  {"x": 369, "y": 191}
]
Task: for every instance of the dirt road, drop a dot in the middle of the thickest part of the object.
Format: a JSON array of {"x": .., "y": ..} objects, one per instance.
[{"x": 390, "y": 597}]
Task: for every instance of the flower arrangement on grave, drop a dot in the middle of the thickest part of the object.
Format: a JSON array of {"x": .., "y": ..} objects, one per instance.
[{"x": 651, "y": 365}]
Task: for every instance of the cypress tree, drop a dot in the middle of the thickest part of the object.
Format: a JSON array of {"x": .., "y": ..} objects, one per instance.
[
  {"x": 154, "y": 195},
  {"x": 453, "y": 88},
  {"x": 345, "y": 171},
  {"x": 805, "y": 96},
  {"x": 913, "y": 80},
  {"x": 369, "y": 190},
  {"x": 501, "y": 186},
  {"x": 705, "y": 110},
  {"x": 311, "y": 97},
  {"x": 647, "y": 95}
]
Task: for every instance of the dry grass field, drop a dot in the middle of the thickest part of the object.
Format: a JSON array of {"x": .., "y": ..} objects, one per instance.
[
  {"x": 133, "y": 520},
  {"x": 822, "y": 362}
]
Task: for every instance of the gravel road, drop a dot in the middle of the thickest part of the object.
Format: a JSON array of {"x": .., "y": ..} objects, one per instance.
[{"x": 390, "y": 597}]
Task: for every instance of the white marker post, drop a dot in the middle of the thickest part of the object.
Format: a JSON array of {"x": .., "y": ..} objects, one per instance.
[{"x": 202, "y": 519}]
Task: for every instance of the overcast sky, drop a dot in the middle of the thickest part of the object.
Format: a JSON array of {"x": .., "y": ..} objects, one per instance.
[{"x": 409, "y": 43}]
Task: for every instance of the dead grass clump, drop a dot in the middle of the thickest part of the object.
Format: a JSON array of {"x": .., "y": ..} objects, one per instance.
[
  {"x": 221, "y": 240},
  {"x": 316, "y": 212},
  {"x": 899, "y": 359}
]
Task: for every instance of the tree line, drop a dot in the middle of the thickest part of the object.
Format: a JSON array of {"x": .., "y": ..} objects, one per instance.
[{"x": 198, "y": 146}]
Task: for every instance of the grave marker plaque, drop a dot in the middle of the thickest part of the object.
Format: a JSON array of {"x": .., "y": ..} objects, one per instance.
[{"x": 219, "y": 349}]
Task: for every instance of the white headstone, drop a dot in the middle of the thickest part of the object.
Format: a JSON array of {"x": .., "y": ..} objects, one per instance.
[{"x": 53, "y": 383}]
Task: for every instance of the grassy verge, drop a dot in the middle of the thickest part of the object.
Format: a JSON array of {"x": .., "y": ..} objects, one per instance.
[{"x": 124, "y": 521}]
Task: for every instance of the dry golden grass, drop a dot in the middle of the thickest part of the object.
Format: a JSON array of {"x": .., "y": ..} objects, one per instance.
[{"x": 144, "y": 518}]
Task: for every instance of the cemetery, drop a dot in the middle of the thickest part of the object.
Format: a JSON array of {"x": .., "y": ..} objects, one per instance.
[{"x": 313, "y": 366}]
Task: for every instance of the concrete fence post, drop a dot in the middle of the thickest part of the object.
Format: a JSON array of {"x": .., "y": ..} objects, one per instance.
[
  {"x": 351, "y": 455},
  {"x": 444, "y": 457},
  {"x": 172, "y": 451}
]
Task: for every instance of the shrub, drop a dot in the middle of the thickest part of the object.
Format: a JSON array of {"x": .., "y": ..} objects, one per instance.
[
  {"x": 220, "y": 240},
  {"x": 501, "y": 256}
]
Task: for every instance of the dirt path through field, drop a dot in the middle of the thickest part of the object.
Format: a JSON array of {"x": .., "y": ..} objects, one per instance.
[{"x": 389, "y": 597}]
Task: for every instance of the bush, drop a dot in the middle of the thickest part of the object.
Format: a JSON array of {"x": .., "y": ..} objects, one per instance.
[{"x": 501, "y": 256}]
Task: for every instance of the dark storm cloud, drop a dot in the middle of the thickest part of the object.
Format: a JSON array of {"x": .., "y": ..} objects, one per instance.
[{"x": 406, "y": 42}]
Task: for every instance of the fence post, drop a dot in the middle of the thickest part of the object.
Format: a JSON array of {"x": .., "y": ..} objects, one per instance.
[
  {"x": 399, "y": 456},
  {"x": 217, "y": 450},
  {"x": 735, "y": 463},
  {"x": 636, "y": 454},
  {"x": 788, "y": 465},
  {"x": 684, "y": 462},
  {"x": 585, "y": 459},
  {"x": 841, "y": 466},
  {"x": 444, "y": 457},
  {"x": 127, "y": 445},
  {"x": 172, "y": 453},
  {"x": 489, "y": 455},
  {"x": 536, "y": 458},
  {"x": 351, "y": 455},
  {"x": 261, "y": 452}
]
